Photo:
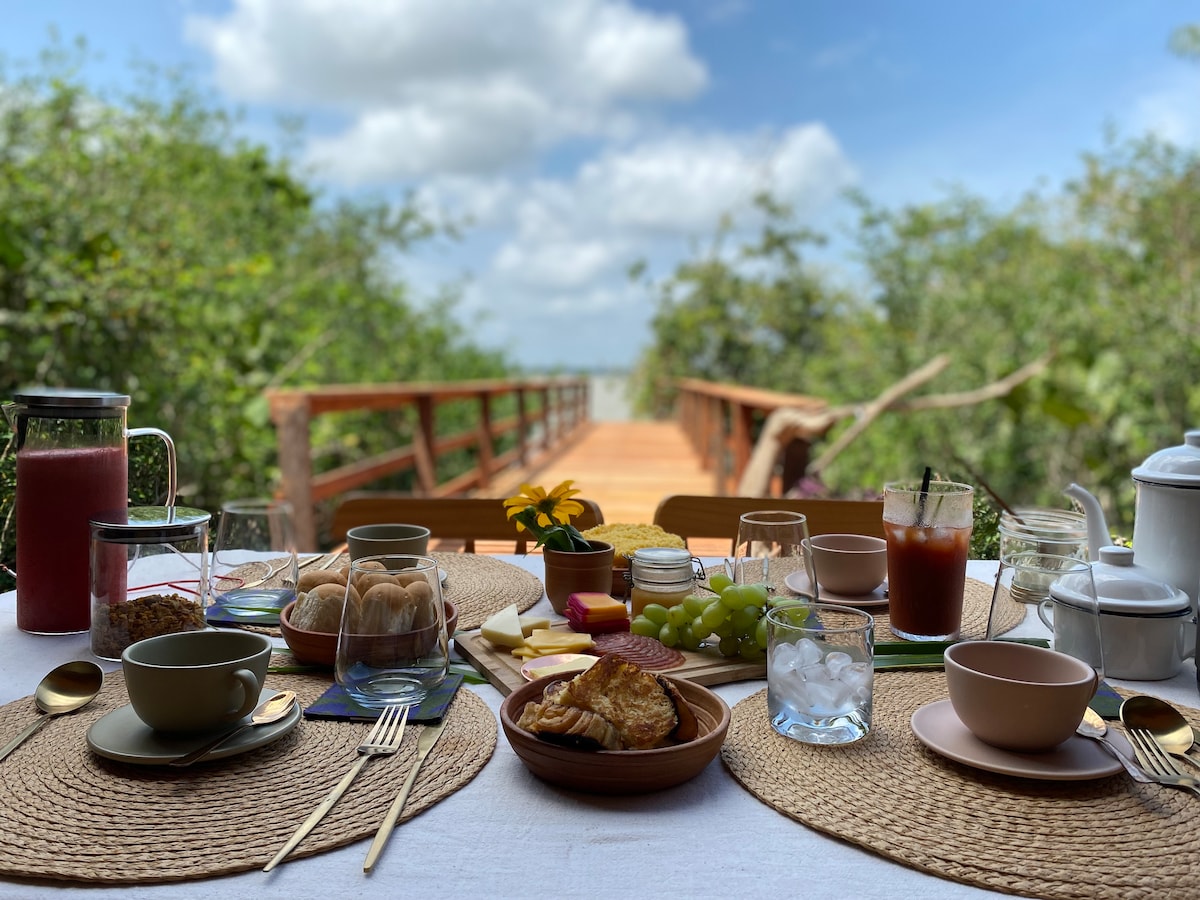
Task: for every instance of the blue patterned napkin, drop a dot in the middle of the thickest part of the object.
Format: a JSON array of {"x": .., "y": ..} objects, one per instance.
[
  {"x": 335, "y": 703},
  {"x": 1106, "y": 702}
]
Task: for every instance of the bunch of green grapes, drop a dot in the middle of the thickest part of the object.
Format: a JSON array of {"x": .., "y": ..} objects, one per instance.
[{"x": 736, "y": 616}]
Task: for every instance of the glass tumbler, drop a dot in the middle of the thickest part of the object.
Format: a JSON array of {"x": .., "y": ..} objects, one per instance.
[
  {"x": 148, "y": 575},
  {"x": 928, "y": 540},
  {"x": 254, "y": 565},
  {"x": 392, "y": 645},
  {"x": 820, "y": 672},
  {"x": 772, "y": 549}
]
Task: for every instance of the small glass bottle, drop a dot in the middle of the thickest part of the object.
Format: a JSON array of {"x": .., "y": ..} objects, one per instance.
[
  {"x": 662, "y": 575},
  {"x": 148, "y": 574}
]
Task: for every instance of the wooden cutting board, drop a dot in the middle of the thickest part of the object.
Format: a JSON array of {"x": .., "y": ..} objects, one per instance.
[{"x": 503, "y": 670}]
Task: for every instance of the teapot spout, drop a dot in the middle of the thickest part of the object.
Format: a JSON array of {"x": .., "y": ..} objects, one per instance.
[{"x": 1097, "y": 527}]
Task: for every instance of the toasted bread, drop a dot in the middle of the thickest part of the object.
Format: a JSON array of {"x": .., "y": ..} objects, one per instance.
[
  {"x": 569, "y": 726},
  {"x": 637, "y": 705}
]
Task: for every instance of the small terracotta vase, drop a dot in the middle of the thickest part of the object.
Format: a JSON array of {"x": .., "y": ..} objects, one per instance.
[{"x": 571, "y": 572}]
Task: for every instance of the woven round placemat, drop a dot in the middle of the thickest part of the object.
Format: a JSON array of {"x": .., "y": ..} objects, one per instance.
[
  {"x": 70, "y": 815},
  {"x": 478, "y": 585},
  {"x": 977, "y": 605},
  {"x": 1108, "y": 838}
]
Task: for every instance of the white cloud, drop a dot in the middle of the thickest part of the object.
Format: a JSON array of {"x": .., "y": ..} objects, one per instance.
[
  {"x": 436, "y": 86},
  {"x": 564, "y": 246},
  {"x": 1169, "y": 109}
]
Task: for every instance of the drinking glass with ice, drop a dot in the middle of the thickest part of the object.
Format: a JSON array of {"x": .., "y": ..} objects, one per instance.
[{"x": 820, "y": 672}]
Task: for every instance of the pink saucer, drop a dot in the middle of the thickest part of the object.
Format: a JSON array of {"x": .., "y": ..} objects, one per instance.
[
  {"x": 798, "y": 582},
  {"x": 1077, "y": 759}
]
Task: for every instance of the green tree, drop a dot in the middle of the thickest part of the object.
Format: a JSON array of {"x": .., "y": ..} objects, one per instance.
[
  {"x": 146, "y": 247},
  {"x": 1100, "y": 276}
]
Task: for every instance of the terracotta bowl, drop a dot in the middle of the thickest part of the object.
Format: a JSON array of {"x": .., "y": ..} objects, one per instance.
[
  {"x": 618, "y": 771},
  {"x": 849, "y": 564},
  {"x": 319, "y": 648}
]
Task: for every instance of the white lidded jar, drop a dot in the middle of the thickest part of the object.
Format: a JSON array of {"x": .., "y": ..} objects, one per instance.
[{"x": 1145, "y": 623}]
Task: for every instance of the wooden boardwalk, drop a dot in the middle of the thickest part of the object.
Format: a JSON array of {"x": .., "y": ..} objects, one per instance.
[{"x": 626, "y": 467}]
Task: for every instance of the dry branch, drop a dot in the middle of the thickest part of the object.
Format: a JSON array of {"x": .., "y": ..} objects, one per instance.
[{"x": 785, "y": 425}]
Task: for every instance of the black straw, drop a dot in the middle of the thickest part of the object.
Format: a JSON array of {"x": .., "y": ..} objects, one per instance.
[{"x": 924, "y": 497}]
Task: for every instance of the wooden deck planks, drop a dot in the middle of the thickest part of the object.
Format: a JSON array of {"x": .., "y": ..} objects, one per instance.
[{"x": 626, "y": 467}]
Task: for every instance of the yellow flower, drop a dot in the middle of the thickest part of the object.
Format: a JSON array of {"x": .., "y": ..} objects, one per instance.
[{"x": 554, "y": 508}]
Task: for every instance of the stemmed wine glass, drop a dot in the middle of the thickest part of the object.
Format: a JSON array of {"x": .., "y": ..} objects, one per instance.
[{"x": 254, "y": 567}]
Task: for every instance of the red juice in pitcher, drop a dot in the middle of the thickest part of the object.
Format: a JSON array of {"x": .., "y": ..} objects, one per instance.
[{"x": 58, "y": 490}]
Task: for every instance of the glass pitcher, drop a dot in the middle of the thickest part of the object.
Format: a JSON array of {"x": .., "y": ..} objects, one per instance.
[{"x": 72, "y": 463}]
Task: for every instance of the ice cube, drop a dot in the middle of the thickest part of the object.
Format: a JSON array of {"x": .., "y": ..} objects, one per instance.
[
  {"x": 783, "y": 659},
  {"x": 808, "y": 652},
  {"x": 823, "y": 697},
  {"x": 836, "y": 662}
]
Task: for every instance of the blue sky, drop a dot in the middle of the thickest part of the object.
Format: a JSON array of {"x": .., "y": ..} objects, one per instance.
[{"x": 578, "y": 136}]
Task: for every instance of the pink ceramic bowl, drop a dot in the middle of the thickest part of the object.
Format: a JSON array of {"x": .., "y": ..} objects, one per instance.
[
  {"x": 1018, "y": 696},
  {"x": 319, "y": 648},
  {"x": 849, "y": 564}
]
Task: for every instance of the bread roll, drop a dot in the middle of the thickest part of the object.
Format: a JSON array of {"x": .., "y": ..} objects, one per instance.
[
  {"x": 319, "y": 609},
  {"x": 386, "y": 609},
  {"x": 309, "y": 579}
]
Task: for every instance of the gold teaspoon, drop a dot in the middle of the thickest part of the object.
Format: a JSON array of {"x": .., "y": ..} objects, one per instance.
[
  {"x": 1163, "y": 721},
  {"x": 271, "y": 710},
  {"x": 63, "y": 690}
]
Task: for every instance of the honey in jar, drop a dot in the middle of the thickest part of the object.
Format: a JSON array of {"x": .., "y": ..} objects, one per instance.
[{"x": 662, "y": 575}]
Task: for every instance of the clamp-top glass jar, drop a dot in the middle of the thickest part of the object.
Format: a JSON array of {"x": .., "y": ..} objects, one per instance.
[
  {"x": 662, "y": 575},
  {"x": 149, "y": 575}
]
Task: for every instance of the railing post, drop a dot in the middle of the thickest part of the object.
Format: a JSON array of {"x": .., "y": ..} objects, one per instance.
[
  {"x": 485, "y": 439},
  {"x": 743, "y": 442},
  {"x": 522, "y": 428},
  {"x": 290, "y": 413},
  {"x": 423, "y": 445}
]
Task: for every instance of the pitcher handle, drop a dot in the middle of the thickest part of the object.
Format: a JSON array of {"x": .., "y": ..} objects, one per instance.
[{"x": 172, "y": 474}]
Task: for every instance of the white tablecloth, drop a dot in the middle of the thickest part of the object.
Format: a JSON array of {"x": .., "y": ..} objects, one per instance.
[{"x": 507, "y": 834}]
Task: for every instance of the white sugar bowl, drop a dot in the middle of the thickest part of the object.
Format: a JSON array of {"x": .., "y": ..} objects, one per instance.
[{"x": 1146, "y": 624}]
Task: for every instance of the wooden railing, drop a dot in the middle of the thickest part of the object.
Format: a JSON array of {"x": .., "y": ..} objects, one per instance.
[
  {"x": 548, "y": 410},
  {"x": 722, "y": 423}
]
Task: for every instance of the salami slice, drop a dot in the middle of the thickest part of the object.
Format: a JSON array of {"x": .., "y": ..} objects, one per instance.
[{"x": 638, "y": 649}]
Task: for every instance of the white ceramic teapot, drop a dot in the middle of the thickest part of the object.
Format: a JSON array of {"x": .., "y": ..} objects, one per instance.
[{"x": 1166, "y": 523}]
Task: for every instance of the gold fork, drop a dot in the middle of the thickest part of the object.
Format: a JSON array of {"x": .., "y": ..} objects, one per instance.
[
  {"x": 384, "y": 740},
  {"x": 1158, "y": 763}
]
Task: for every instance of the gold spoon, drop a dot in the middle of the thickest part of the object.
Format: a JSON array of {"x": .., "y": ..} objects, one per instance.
[
  {"x": 270, "y": 710},
  {"x": 1096, "y": 728},
  {"x": 63, "y": 690},
  {"x": 1162, "y": 720}
]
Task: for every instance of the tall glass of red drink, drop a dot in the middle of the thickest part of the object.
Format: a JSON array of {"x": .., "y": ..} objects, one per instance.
[{"x": 928, "y": 537}]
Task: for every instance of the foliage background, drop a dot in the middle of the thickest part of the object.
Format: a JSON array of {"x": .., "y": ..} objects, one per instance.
[
  {"x": 146, "y": 248},
  {"x": 1102, "y": 276}
]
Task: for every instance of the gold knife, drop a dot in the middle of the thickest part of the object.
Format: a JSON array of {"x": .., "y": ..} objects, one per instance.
[{"x": 428, "y": 737}]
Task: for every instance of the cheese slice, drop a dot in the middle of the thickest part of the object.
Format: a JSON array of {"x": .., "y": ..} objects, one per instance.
[
  {"x": 530, "y": 623},
  {"x": 546, "y": 642},
  {"x": 571, "y": 665},
  {"x": 504, "y": 628}
]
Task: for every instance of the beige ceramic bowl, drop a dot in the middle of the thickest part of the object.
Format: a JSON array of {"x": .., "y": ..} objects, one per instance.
[
  {"x": 618, "y": 771},
  {"x": 1018, "y": 696},
  {"x": 319, "y": 648},
  {"x": 849, "y": 564}
]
